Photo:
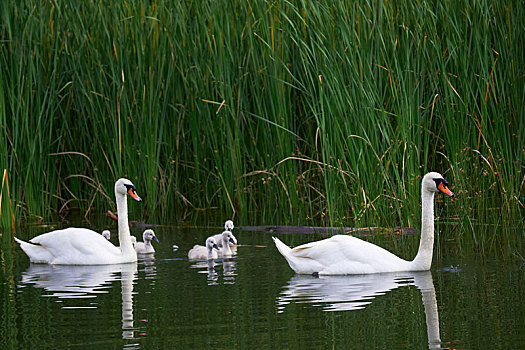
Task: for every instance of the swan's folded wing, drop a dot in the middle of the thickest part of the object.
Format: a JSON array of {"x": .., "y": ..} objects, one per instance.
[
  {"x": 333, "y": 248},
  {"x": 91, "y": 244},
  {"x": 314, "y": 256},
  {"x": 73, "y": 242},
  {"x": 343, "y": 254}
]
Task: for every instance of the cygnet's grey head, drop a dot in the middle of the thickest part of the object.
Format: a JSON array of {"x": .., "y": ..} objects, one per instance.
[
  {"x": 106, "y": 234},
  {"x": 210, "y": 243},
  {"x": 228, "y": 225},
  {"x": 229, "y": 237},
  {"x": 149, "y": 235}
]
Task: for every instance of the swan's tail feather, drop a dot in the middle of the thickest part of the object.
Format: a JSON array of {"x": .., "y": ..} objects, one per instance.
[
  {"x": 300, "y": 264},
  {"x": 286, "y": 252},
  {"x": 283, "y": 248},
  {"x": 35, "y": 252}
]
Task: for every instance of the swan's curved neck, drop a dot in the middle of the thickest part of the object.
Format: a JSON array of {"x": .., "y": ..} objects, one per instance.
[
  {"x": 124, "y": 236},
  {"x": 423, "y": 258}
]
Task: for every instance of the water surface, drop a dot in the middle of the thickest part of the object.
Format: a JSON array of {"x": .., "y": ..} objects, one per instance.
[{"x": 254, "y": 300}]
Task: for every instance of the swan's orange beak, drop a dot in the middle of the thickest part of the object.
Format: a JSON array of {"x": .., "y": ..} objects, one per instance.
[
  {"x": 133, "y": 194},
  {"x": 443, "y": 188}
]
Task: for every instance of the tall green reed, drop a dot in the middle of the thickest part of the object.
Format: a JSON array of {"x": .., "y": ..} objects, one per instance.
[{"x": 301, "y": 112}]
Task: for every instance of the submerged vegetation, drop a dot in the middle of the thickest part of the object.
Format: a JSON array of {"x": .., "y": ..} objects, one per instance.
[{"x": 298, "y": 111}]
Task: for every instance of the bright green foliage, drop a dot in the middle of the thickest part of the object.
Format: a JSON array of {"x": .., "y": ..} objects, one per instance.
[{"x": 291, "y": 109}]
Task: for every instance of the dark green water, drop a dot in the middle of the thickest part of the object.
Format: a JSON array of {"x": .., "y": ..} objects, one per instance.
[{"x": 254, "y": 300}]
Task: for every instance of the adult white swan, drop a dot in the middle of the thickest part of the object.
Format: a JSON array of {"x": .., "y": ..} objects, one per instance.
[
  {"x": 81, "y": 246},
  {"x": 347, "y": 255}
]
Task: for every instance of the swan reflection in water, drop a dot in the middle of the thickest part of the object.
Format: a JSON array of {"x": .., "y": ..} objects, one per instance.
[
  {"x": 354, "y": 292},
  {"x": 208, "y": 267},
  {"x": 147, "y": 264},
  {"x": 86, "y": 281}
]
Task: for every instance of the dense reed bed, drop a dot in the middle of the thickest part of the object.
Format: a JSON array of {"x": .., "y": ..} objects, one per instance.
[{"x": 298, "y": 111}]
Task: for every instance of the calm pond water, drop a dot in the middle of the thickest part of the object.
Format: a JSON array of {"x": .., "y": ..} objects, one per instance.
[{"x": 254, "y": 300}]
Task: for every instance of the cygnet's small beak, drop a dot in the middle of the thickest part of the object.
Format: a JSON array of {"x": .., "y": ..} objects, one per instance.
[
  {"x": 155, "y": 239},
  {"x": 232, "y": 241},
  {"x": 215, "y": 246}
]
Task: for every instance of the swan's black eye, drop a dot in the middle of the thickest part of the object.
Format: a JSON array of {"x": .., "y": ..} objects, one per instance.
[
  {"x": 130, "y": 188},
  {"x": 439, "y": 181}
]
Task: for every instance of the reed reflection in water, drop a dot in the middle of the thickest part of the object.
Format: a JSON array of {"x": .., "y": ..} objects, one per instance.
[{"x": 355, "y": 292}]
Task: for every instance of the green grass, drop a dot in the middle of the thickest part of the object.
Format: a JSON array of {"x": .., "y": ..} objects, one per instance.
[{"x": 298, "y": 112}]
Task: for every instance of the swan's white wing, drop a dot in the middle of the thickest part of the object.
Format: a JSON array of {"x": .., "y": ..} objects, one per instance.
[
  {"x": 343, "y": 254},
  {"x": 77, "y": 246}
]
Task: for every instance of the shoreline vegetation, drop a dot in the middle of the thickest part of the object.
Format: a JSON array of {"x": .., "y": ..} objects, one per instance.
[{"x": 299, "y": 113}]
